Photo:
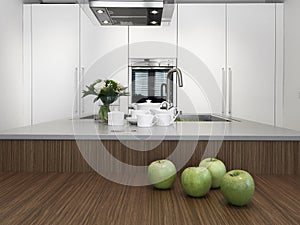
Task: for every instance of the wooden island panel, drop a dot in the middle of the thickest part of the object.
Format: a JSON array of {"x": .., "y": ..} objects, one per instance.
[{"x": 257, "y": 157}]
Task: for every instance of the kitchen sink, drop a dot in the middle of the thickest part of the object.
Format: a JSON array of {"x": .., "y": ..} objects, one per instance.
[
  {"x": 200, "y": 118},
  {"x": 188, "y": 118}
]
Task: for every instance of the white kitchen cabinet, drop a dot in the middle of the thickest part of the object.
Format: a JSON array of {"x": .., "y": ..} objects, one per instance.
[
  {"x": 55, "y": 60},
  {"x": 233, "y": 40},
  {"x": 154, "y": 41},
  {"x": 251, "y": 60},
  {"x": 11, "y": 77},
  {"x": 201, "y": 56},
  {"x": 104, "y": 55}
]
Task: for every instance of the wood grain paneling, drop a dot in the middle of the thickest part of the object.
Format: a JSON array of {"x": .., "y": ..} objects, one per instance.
[
  {"x": 266, "y": 157},
  {"x": 87, "y": 198},
  {"x": 297, "y": 160},
  {"x": 257, "y": 157},
  {"x": 41, "y": 156}
]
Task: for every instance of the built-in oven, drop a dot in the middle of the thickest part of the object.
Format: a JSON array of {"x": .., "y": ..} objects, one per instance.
[{"x": 148, "y": 80}]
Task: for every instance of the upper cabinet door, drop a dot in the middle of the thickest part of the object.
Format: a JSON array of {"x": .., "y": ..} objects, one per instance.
[
  {"x": 104, "y": 55},
  {"x": 154, "y": 41},
  {"x": 55, "y": 57},
  {"x": 201, "y": 56},
  {"x": 99, "y": 41},
  {"x": 251, "y": 58}
]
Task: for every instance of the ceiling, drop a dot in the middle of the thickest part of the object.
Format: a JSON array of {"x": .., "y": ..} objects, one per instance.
[
  {"x": 176, "y": 1},
  {"x": 49, "y": 1}
]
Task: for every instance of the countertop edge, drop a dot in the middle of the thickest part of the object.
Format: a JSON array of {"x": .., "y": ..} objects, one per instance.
[{"x": 149, "y": 138}]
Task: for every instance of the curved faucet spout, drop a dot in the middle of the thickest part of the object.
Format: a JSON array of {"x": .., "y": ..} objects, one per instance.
[
  {"x": 179, "y": 75},
  {"x": 180, "y": 83}
]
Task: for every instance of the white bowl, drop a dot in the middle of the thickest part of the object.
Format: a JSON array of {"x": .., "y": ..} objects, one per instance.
[
  {"x": 148, "y": 106},
  {"x": 163, "y": 111}
]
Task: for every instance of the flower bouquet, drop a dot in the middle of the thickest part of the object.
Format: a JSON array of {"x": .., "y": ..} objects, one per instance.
[{"x": 108, "y": 91}]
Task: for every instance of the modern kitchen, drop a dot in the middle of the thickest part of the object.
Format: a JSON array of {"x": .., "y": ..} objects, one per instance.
[{"x": 121, "y": 112}]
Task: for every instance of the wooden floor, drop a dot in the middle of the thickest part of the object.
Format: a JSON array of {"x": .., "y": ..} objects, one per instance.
[{"x": 87, "y": 198}]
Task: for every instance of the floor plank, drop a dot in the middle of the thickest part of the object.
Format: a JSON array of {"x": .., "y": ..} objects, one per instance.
[{"x": 87, "y": 198}]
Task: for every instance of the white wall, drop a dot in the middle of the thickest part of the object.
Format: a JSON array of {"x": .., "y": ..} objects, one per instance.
[
  {"x": 11, "y": 79},
  {"x": 292, "y": 65}
]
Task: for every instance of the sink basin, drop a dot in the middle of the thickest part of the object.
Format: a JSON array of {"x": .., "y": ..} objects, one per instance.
[
  {"x": 200, "y": 118},
  {"x": 188, "y": 118}
]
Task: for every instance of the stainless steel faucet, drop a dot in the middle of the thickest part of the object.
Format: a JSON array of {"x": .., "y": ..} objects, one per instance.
[{"x": 180, "y": 84}]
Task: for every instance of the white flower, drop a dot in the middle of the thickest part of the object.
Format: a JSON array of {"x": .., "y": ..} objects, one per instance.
[
  {"x": 120, "y": 87},
  {"x": 99, "y": 86}
]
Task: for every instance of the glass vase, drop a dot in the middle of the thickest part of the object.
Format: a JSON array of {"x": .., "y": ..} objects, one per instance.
[{"x": 103, "y": 113}]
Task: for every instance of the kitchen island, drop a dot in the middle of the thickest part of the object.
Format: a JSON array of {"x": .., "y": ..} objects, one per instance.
[{"x": 61, "y": 146}]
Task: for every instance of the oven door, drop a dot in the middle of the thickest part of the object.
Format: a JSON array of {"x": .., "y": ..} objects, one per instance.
[{"x": 149, "y": 83}]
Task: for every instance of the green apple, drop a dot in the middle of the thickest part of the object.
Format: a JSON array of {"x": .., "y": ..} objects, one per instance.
[
  {"x": 162, "y": 174},
  {"x": 237, "y": 187},
  {"x": 216, "y": 168},
  {"x": 196, "y": 181}
]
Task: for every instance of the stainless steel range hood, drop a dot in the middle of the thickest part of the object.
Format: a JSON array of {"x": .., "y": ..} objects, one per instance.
[{"x": 132, "y": 12}]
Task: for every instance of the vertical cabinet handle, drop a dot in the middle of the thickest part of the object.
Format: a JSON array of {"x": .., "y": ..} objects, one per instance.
[
  {"x": 76, "y": 79},
  {"x": 230, "y": 92},
  {"x": 224, "y": 92},
  {"x": 81, "y": 88}
]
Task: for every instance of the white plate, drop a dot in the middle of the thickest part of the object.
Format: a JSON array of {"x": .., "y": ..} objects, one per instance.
[{"x": 131, "y": 120}]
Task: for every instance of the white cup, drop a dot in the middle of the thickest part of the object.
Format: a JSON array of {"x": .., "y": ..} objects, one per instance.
[
  {"x": 116, "y": 118},
  {"x": 146, "y": 120},
  {"x": 165, "y": 119},
  {"x": 135, "y": 113}
]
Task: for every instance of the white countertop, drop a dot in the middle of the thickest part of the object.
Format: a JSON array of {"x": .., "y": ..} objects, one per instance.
[{"x": 89, "y": 129}]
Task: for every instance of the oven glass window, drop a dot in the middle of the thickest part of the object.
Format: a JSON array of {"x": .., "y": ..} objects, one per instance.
[{"x": 149, "y": 84}]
